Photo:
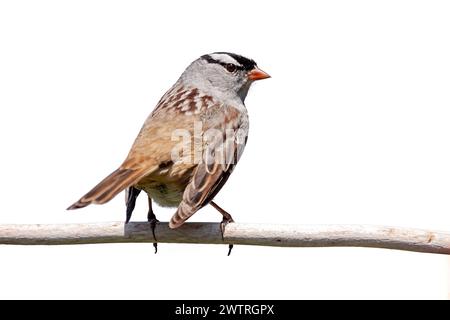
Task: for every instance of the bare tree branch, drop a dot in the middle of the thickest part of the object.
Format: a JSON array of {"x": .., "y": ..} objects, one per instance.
[{"x": 236, "y": 233}]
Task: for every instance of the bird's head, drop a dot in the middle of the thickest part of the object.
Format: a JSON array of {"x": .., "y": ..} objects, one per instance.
[{"x": 224, "y": 73}]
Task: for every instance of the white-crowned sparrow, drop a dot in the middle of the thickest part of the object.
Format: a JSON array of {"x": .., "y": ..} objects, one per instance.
[{"x": 208, "y": 98}]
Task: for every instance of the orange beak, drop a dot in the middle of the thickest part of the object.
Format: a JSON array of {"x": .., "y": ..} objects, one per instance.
[{"x": 257, "y": 74}]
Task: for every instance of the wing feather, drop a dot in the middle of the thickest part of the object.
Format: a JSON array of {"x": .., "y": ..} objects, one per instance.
[{"x": 209, "y": 178}]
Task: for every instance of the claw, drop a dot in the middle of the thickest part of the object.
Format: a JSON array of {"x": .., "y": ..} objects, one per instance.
[
  {"x": 223, "y": 224},
  {"x": 230, "y": 247},
  {"x": 153, "y": 222}
]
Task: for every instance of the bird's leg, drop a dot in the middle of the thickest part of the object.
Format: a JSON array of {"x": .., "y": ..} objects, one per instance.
[
  {"x": 227, "y": 218},
  {"x": 153, "y": 222},
  {"x": 131, "y": 201}
]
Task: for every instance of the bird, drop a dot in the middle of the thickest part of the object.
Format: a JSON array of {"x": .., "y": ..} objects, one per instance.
[{"x": 189, "y": 144}]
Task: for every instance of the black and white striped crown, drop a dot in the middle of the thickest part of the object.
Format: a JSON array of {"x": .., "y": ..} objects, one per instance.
[{"x": 225, "y": 58}]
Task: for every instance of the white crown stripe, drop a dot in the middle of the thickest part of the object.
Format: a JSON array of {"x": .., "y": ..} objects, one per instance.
[{"x": 224, "y": 58}]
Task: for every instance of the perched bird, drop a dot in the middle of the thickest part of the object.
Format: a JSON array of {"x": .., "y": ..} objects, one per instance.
[{"x": 205, "y": 110}]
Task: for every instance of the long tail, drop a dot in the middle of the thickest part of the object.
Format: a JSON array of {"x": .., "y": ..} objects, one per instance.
[{"x": 109, "y": 187}]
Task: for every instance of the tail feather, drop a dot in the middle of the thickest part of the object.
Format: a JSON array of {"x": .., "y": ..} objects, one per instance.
[{"x": 109, "y": 187}]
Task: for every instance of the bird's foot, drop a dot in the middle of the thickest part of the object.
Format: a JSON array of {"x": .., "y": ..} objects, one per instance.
[
  {"x": 153, "y": 222},
  {"x": 223, "y": 224}
]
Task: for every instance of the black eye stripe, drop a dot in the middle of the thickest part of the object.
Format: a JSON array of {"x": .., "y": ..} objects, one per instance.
[
  {"x": 223, "y": 64},
  {"x": 246, "y": 63},
  {"x": 228, "y": 65}
]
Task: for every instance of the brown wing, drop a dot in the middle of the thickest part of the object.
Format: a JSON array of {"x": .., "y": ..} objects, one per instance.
[
  {"x": 199, "y": 192},
  {"x": 152, "y": 146},
  {"x": 210, "y": 176}
]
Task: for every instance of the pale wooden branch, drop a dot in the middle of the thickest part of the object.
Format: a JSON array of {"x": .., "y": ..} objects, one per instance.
[{"x": 236, "y": 233}]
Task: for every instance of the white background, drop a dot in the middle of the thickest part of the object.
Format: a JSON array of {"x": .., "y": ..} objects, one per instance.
[{"x": 352, "y": 128}]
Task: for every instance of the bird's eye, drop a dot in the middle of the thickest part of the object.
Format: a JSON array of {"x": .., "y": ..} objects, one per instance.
[{"x": 230, "y": 67}]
